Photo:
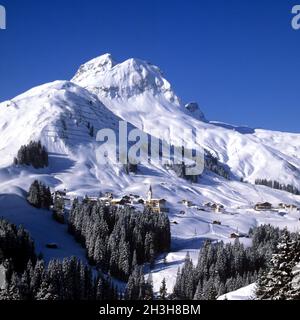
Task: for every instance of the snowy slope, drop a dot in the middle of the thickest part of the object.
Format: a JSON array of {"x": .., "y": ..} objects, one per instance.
[
  {"x": 58, "y": 113},
  {"x": 42, "y": 228},
  {"x": 246, "y": 293},
  {"x": 137, "y": 92},
  {"x": 102, "y": 93}
]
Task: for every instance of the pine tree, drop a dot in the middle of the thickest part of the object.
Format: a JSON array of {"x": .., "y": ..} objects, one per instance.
[
  {"x": 91, "y": 131},
  {"x": 198, "y": 294},
  {"x": 58, "y": 209},
  {"x": 124, "y": 260},
  {"x": 163, "y": 290},
  {"x": 133, "y": 285},
  {"x": 209, "y": 290},
  {"x": 39, "y": 195},
  {"x": 294, "y": 292},
  {"x": 13, "y": 288},
  {"x": 177, "y": 286},
  {"x": 149, "y": 288},
  {"x": 34, "y": 195}
]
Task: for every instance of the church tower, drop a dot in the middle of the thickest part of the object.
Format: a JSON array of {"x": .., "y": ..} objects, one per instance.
[{"x": 150, "y": 194}]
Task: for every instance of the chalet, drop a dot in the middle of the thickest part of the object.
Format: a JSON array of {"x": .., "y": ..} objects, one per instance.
[
  {"x": 287, "y": 206},
  {"x": 62, "y": 196},
  {"x": 141, "y": 201},
  {"x": 127, "y": 200},
  {"x": 290, "y": 206},
  {"x": 60, "y": 193},
  {"x": 187, "y": 203},
  {"x": 90, "y": 200},
  {"x": 109, "y": 195},
  {"x": 217, "y": 207},
  {"x": 119, "y": 201},
  {"x": 208, "y": 204},
  {"x": 136, "y": 196},
  {"x": 110, "y": 200},
  {"x": 234, "y": 235},
  {"x": 105, "y": 201},
  {"x": 263, "y": 206},
  {"x": 157, "y": 205}
]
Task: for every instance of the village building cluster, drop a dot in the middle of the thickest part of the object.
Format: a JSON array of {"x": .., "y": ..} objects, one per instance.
[
  {"x": 266, "y": 206},
  {"x": 213, "y": 207},
  {"x": 157, "y": 205},
  {"x": 160, "y": 205}
]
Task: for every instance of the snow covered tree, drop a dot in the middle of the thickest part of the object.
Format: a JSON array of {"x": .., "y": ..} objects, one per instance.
[
  {"x": 124, "y": 260},
  {"x": 276, "y": 282},
  {"x": 294, "y": 293},
  {"x": 223, "y": 267},
  {"x": 185, "y": 283},
  {"x": 119, "y": 238},
  {"x": 148, "y": 288},
  {"x": 163, "y": 290},
  {"x": 199, "y": 292},
  {"x": 209, "y": 290}
]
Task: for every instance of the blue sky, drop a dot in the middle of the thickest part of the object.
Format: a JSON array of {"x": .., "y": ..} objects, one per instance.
[{"x": 238, "y": 59}]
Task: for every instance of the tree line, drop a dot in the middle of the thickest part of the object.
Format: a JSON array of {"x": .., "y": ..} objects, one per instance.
[
  {"x": 28, "y": 278},
  {"x": 16, "y": 245},
  {"x": 222, "y": 268},
  {"x": 117, "y": 239},
  {"x": 32, "y": 154},
  {"x": 212, "y": 164},
  {"x": 278, "y": 186},
  {"x": 273, "y": 262},
  {"x": 40, "y": 197}
]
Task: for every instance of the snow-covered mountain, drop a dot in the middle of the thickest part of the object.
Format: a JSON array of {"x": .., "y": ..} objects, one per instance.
[
  {"x": 58, "y": 113},
  {"x": 61, "y": 115},
  {"x": 137, "y": 92}
]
